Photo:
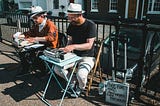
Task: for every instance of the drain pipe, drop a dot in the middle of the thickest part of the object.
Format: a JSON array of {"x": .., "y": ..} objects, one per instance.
[
  {"x": 142, "y": 9},
  {"x": 126, "y": 10}
]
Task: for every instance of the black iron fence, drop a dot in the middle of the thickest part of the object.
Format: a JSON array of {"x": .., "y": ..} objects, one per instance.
[{"x": 20, "y": 23}]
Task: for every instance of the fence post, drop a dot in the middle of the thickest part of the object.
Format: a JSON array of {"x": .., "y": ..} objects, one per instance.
[{"x": 18, "y": 25}]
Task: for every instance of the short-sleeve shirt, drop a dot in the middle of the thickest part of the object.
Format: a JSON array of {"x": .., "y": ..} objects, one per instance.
[{"x": 80, "y": 34}]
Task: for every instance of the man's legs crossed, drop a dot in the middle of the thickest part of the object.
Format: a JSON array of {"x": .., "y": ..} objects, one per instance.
[
  {"x": 85, "y": 66},
  {"x": 63, "y": 71}
]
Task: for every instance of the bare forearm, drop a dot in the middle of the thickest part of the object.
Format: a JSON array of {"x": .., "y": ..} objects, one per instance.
[
  {"x": 40, "y": 39},
  {"x": 35, "y": 39},
  {"x": 85, "y": 46},
  {"x": 81, "y": 47}
]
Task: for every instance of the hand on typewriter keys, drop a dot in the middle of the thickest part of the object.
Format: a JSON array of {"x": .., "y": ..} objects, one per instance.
[
  {"x": 32, "y": 39},
  {"x": 68, "y": 48}
]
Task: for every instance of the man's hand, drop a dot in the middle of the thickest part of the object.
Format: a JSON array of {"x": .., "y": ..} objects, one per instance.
[
  {"x": 21, "y": 36},
  {"x": 35, "y": 39},
  {"x": 18, "y": 36},
  {"x": 31, "y": 39},
  {"x": 68, "y": 48}
]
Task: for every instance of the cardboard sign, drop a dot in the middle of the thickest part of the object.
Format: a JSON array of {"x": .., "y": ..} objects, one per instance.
[{"x": 117, "y": 93}]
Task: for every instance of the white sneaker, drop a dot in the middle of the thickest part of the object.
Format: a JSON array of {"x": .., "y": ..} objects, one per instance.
[
  {"x": 78, "y": 92},
  {"x": 72, "y": 85}
]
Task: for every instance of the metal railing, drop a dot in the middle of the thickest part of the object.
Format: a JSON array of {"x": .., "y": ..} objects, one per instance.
[{"x": 104, "y": 28}]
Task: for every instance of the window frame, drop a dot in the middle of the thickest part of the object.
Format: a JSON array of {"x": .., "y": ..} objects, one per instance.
[
  {"x": 56, "y": 6},
  {"x": 151, "y": 6},
  {"x": 95, "y": 2},
  {"x": 110, "y": 6}
]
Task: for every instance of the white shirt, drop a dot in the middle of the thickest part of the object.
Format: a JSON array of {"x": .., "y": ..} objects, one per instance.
[{"x": 41, "y": 26}]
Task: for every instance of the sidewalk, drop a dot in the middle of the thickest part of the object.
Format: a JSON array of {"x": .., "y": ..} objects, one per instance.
[{"x": 26, "y": 91}]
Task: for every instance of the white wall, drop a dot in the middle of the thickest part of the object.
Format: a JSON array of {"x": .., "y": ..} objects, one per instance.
[
  {"x": 16, "y": 1},
  {"x": 45, "y": 4},
  {"x": 24, "y": 3},
  {"x": 56, "y": 11},
  {"x": 42, "y": 3},
  {"x": 34, "y": 2},
  {"x": 80, "y": 2}
]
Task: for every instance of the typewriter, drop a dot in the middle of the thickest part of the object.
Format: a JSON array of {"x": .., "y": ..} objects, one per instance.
[{"x": 58, "y": 55}]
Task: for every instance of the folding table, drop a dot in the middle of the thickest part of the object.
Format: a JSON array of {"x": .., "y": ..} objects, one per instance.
[{"x": 47, "y": 61}]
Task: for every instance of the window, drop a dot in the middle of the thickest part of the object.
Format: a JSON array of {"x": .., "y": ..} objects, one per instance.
[
  {"x": 154, "y": 6},
  {"x": 55, "y": 4},
  {"x": 113, "y": 6},
  {"x": 94, "y": 5}
]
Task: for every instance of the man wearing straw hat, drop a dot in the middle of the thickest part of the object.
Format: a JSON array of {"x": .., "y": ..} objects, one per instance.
[
  {"x": 81, "y": 32},
  {"x": 43, "y": 31}
]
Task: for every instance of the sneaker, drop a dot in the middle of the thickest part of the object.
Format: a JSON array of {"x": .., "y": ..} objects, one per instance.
[
  {"x": 78, "y": 93},
  {"x": 72, "y": 85}
]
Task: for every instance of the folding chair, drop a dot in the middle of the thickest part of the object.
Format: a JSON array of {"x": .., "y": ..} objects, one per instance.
[
  {"x": 62, "y": 40},
  {"x": 97, "y": 65}
]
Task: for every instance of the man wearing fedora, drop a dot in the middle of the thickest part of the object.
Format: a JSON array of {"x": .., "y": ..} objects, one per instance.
[
  {"x": 43, "y": 31},
  {"x": 81, "y": 33}
]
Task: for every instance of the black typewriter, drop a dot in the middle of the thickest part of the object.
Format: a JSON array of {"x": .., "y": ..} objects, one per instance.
[{"x": 57, "y": 54}]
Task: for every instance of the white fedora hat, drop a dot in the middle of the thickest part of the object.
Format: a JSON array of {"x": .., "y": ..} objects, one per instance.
[
  {"x": 36, "y": 10},
  {"x": 74, "y": 9}
]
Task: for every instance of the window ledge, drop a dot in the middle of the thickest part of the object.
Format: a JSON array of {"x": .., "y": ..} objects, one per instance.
[
  {"x": 153, "y": 12},
  {"x": 113, "y": 12},
  {"x": 94, "y": 10}
]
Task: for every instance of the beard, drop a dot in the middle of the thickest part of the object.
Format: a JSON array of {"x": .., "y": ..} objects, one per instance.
[{"x": 75, "y": 22}]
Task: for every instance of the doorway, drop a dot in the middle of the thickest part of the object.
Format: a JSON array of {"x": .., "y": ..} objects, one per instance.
[{"x": 132, "y": 8}]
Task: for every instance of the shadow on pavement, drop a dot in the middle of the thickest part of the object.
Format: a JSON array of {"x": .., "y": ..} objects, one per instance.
[
  {"x": 7, "y": 72},
  {"x": 26, "y": 87},
  {"x": 23, "y": 87},
  {"x": 11, "y": 54}
]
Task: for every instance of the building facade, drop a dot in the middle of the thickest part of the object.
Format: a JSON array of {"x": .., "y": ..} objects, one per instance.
[
  {"x": 110, "y": 9},
  {"x": 95, "y": 9},
  {"x": 55, "y": 6}
]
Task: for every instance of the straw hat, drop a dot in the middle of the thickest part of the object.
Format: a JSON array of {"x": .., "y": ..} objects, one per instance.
[
  {"x": 74, "y": 9},
  {"x": 36, "y": 10}
]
